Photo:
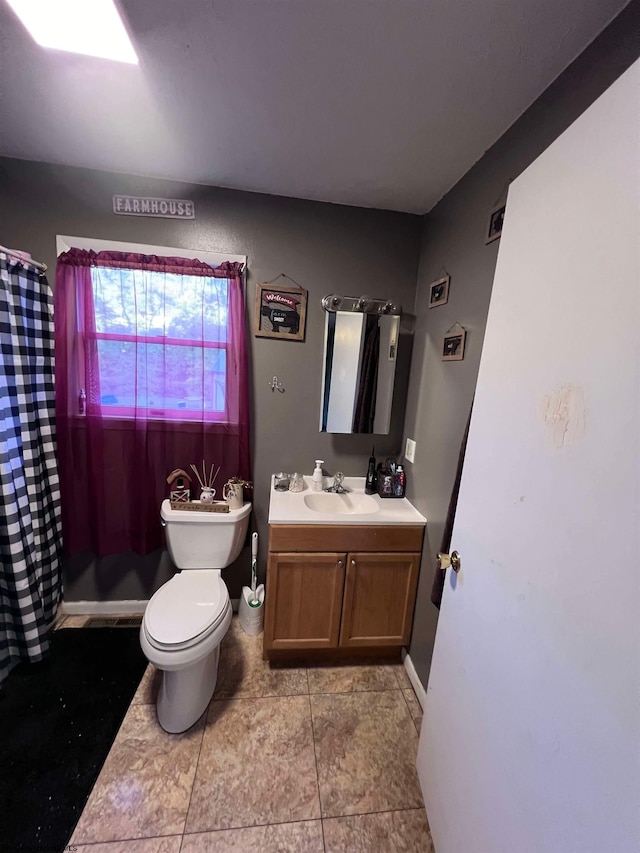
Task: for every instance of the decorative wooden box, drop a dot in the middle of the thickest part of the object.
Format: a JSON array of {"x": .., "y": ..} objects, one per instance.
[{"x": 196, "y": 506}]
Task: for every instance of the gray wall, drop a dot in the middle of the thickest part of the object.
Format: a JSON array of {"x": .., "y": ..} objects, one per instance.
[
  {"x": 328, "y": 248},
  {"x": 440, "y": 393},
  {"x": 324, "y": 247}
]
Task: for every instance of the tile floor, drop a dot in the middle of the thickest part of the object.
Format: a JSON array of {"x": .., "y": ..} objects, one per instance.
[{"x": 285, "y": 760}]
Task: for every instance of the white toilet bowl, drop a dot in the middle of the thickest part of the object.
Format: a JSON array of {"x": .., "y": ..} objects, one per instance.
[{"x": 187, "y": 618}]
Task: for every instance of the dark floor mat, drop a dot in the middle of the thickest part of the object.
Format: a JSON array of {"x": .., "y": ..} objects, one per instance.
[{"x": 58, "y": 719}]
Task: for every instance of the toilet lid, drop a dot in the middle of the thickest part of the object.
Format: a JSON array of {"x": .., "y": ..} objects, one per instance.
[{"x": 188, "y": 605}]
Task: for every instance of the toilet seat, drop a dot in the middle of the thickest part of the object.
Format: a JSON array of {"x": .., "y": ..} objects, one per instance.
[{"x": 186, "y": 609}]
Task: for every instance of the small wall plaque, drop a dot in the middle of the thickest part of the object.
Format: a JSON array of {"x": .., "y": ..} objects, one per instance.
[
  {"x": 496, "y": 221},
  {"x": 439, "y": 292},
  {"x": 453, "y": 343},
  {"x": 280, "y": 312},
  {"x": 160, "y": 208}
]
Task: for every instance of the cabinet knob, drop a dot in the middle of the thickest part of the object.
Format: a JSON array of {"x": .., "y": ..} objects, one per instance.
[
  {"x": 339, "y": 564},
  {"x": 353, "y": 563}
]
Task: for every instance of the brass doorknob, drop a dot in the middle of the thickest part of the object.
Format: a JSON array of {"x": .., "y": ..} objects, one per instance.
[{"x": 449, "y": 560}]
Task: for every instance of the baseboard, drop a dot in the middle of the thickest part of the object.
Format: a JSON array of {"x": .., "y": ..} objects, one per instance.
[
  {"x": 111, "y": 608},
  {"x": 419, "y": 690},
  {"x": 103, "y": 608}
]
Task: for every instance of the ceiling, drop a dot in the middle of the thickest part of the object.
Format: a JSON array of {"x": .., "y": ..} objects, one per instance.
[{"x": 378, "y": 103}]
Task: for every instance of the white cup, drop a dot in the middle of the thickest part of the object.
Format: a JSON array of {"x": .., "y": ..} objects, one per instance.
[{"x": 233, "y": 495}]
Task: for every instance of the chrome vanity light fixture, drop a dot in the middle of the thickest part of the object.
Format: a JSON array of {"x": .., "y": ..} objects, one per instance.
[
  {"x": 365, "y": 304},
  {"x": 332, "y": 302},
  {"x": 361, "y": 305},
  {"x": 392, "y": 308}
]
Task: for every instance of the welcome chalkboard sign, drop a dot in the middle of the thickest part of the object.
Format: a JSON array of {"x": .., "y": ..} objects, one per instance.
[{"x": 280, "y": 312}]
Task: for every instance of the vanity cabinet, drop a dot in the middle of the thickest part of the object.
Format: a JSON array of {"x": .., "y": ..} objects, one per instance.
[
  {"x": 379, "y": 595},
  {"x": 340, "y": 588},
  {"x": 306, "y": 600}
]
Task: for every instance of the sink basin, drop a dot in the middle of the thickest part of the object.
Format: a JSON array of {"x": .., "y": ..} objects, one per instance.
[
  {"x": 352, "y": 509},
  {"x": 348, "y": 504}
]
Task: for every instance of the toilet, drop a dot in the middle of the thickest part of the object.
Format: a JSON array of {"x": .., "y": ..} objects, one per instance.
[{"x": 187, "y": 618}]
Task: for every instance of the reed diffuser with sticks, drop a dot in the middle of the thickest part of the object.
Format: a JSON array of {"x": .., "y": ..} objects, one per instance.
[{"x": 208, "y": 493}]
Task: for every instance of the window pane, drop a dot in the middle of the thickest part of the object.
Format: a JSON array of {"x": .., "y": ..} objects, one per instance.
[
  {"x": 156, "y": 304},
  {"x": 154, "y": 376}
]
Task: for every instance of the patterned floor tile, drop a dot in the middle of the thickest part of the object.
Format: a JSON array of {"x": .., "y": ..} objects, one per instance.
[
  {"x": 349, "y": 679},
  {"x": 414, "y": 706},
  {"x": 256, "y": 765},
  {"x": 243, "y": 674},
  {"x": 147, "y": 692},
  {"x": 404, "y": 831},
  {"x": 404, "y": 682},
  {"x": 168, "y": 844},
  {"x": 144, "y": 787},
  {"x": 302, "y": 837},
  {"x": 60, "y": 619},
  {"x": 76, "y": 621},
  {"x": 366, "y": 746}
]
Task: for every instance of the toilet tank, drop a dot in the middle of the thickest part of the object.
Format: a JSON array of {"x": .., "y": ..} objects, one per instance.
[{"x": 204, "y": 540}]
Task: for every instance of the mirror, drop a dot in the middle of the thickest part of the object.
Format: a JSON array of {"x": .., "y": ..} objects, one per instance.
[{"x": 359, "y": 367}]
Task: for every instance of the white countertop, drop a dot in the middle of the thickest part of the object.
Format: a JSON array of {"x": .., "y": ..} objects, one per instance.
[{"x": 353, "y": 508}]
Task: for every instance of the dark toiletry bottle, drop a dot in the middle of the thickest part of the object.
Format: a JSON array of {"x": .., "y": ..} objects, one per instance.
[
  {"x": 370, "y": 482},
  {"x": 399, "y": 482}
]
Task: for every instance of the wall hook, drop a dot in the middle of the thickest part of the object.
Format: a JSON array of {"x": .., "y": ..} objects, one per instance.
[{"x": 276, "y": 385}]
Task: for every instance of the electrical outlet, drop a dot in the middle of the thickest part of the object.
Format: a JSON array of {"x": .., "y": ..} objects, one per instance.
[{"x": 410, "y": 450}]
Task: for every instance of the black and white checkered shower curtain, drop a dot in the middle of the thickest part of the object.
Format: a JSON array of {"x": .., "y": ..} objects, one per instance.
[{"x": 30, "y": 524}]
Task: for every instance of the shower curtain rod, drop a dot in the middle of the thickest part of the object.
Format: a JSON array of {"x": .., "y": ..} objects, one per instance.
[{"x": 37, "y": 264}]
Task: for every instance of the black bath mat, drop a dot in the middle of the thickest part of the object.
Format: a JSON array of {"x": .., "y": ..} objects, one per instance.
[{"x": 58, "y": 719}]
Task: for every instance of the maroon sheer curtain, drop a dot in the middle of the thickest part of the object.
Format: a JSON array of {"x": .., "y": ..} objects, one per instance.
[{"x": 151, "y": 375}]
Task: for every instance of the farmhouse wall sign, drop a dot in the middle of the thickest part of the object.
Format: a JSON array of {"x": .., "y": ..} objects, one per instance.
[
  {"x": 160, "y": 208},
  {"x": 280, "y": 312}
]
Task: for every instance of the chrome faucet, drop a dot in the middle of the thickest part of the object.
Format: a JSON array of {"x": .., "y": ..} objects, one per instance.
[{"x": 337, "y": 487}]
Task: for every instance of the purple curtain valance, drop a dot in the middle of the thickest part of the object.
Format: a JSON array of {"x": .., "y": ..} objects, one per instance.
[{"x": 152, "y": 263}]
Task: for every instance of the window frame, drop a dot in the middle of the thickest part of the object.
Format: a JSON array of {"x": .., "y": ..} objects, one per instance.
[{"x": 128, "y": 413}]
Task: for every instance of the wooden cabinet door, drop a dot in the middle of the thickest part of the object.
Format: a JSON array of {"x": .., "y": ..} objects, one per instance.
[
  {"x": 303, "y": 600},
  {"x": 379, "y": 597}
]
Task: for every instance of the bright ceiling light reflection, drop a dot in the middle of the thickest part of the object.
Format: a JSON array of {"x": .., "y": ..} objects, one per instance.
[{"x": 90, "y": 27}]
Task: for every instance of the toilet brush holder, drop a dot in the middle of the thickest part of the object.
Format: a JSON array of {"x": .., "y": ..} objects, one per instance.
[{"x": 252, "y": 617}]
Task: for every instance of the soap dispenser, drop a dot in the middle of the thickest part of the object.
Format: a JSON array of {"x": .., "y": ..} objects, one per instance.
[{"x": 317, "y": 480}]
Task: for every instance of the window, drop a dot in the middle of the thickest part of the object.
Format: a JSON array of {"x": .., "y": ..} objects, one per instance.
[
  {"x": 155, "y": 332},
  {"x": 161, "y": 343}
]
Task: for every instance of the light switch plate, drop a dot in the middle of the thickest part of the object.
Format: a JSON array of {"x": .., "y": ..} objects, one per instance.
[{"x": 410, "y": 450}]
